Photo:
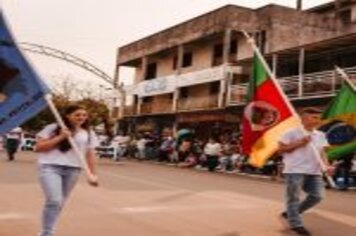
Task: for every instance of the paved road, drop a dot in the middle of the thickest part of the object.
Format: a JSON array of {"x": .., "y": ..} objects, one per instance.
[{"x": 142, "y": 199}]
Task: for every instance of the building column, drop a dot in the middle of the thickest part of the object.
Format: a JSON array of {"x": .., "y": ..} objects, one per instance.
[
  {"x": 301, "y": 71},
  {"x": 144, "y": 62},
  {"x": 116, "y": 109},
  {"x": 226, "y": 54},
  {"x": 176, "y": 94},
  {"x": 119, "y": 100},
  {"x": 139, "y": 104},
  {"x": 274, "y": 64},
  {"x": 333, "y": 82},
  {"x": 226, "y": 46}
]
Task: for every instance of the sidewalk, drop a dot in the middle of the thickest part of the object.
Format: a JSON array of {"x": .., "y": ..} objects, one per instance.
[{"x": 230, "y": 173}]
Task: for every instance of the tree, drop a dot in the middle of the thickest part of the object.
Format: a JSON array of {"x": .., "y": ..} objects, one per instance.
[{"x": 98, "y": 113}]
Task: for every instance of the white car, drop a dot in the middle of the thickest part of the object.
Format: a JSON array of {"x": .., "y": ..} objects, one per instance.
[{"x": 27, "y": 144}]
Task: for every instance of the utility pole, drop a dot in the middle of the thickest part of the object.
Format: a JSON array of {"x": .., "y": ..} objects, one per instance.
[{"x": 299, "y": 5}]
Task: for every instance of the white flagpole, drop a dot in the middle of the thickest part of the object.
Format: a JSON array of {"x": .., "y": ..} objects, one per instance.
[
  {"x": 291, "y": 108},
  {"x": 89, "y": 174},
  {"x": 345, "y": 77}
]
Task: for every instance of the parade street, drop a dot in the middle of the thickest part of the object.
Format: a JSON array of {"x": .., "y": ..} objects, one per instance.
[{"x": 140, "y": 198}]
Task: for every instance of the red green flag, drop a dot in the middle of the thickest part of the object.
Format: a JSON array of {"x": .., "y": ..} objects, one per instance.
[{"x": 266, "y": 117}]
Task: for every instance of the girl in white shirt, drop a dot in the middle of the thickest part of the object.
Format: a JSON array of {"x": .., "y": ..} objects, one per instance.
[{"x": 59, "y": 165}]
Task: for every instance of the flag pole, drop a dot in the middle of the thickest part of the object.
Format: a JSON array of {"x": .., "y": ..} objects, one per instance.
[
  {"x": 345, "y": 77},
  {"x": 54, "y": 110},
  {"x": 250, "y": 40}
]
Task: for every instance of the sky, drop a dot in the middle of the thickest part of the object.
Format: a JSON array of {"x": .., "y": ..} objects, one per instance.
[{"x": 94, "y": 29}]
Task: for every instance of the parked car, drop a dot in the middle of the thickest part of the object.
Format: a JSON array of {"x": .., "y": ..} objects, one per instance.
[
  {"x": 104, "y": 150},
  {"x": 28, "y": 143}
]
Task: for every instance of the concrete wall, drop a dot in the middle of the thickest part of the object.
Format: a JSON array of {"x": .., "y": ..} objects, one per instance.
[
  {"x": 199, "y": 27},
  {"x": 285, "y": 28},
  {"x": 202, "y": 59}
]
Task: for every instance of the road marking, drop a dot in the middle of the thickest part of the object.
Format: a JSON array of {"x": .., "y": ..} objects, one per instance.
[
  {"x": 160, "y": 209},
  {"x": 13, "y": 216},
  {"x": 337, "y": 217},
  {"x": 241, "y": 198},
  {"x": 202, "y": 194},
  {"x": 142, "y": 181}
]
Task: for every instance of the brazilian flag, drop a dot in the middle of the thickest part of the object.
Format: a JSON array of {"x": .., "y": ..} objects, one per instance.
[{"x": 341, "y": 113}]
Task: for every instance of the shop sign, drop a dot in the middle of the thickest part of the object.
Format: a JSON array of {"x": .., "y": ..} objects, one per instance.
[{"x": 201, "y": 77}]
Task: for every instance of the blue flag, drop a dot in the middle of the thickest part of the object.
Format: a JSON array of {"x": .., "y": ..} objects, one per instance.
[{"x": 21, "y": 90}]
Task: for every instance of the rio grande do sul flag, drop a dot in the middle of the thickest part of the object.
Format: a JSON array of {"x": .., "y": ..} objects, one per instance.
[{"x": 266, "y": 117}]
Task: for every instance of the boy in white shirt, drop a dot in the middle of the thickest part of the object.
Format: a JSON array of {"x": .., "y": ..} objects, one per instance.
[{"x": 301, "y": 168}]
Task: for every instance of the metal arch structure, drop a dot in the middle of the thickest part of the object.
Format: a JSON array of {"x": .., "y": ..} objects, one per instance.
[
  {"x": 55, "y": 53},
  {"x": 52, "y": 52}
]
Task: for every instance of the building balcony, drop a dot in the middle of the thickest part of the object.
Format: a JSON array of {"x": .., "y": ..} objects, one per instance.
[
  {"x": 314, "y": 85},
  {"x": 168, "y": 84},
  {"x": 130, "y": 110},
  {"x": 162, "y": 107},
  {"x": 198, "y": 103}
]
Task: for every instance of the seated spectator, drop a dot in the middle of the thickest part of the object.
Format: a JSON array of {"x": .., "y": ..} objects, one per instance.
[
  {"x": 184, "y": 150},
  {"x": 343, "y": 170},
  {"x": 132, "y": 148},
  {"x": 166, "y": 149},
  {"x": 212, "y": 151},
  {"x": 141, "y": 148},
  {"x": 189, "y": 162}
]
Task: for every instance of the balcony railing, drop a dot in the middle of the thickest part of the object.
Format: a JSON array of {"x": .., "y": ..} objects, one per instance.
[
  {"x": 318, "y": 84},
  {"x": 157, "y": 107},
  {"x": 195, "y": 103},
  {"x": 130, "y": 110},
  {"x": 146, "y": 108}
]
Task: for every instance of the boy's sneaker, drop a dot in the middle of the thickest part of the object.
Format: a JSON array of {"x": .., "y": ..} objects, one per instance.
[
  {"x": 283, "y": 218},
  {"x": 301, "y": 231}
]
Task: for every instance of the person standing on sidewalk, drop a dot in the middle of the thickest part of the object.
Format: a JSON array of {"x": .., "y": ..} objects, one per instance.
[
  {"x": 59, "y": 166},
  {"x": 12, "y": 142},
  {"x": 302, "y": 170}
]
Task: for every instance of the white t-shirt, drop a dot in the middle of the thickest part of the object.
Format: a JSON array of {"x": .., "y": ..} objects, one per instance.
[
  {"x": 14, "y": 134},
  {"x": 141, "y": 144},
  {"x": 121, "y": 140},
  {"x": 212, "y": 149},
  {"x": 69, "y": 158},
  {"x": 303, "y": 160}
]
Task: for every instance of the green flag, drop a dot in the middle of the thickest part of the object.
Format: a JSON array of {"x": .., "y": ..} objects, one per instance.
[{"x": 342, "y": 108}]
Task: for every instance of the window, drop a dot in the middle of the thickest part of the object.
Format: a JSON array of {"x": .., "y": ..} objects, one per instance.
[
  {"x": 214, "y": 87},
  {"x": 233, "y": 47},
  {"x": 184, "y": 92},
  {"x": 261, "y": 40},
  {"x": 187, "y": 59},
  {"x": 151, "y": 72},
  {"x": 175, "y": 63},
  {"x": 147, "y": 99},
  {"x": 240, "y": 79},
  {"x": 218, "y": 50},
  {"x": 345, "y": 16},
  {"x": 218, "y": 54}
]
